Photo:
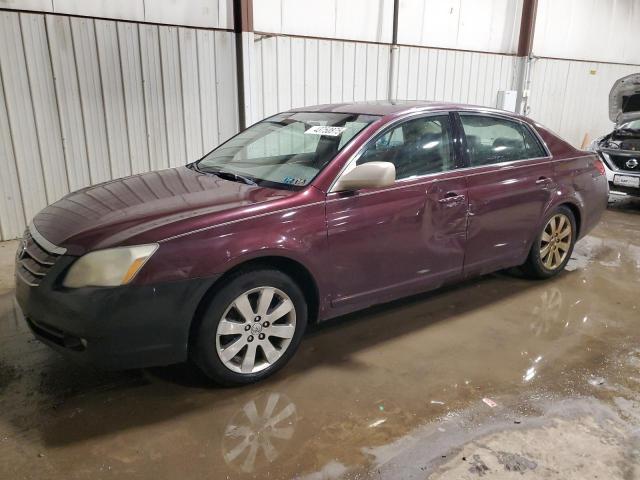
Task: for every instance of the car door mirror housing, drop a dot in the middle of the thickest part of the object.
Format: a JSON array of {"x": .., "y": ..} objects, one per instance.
[{"x": 367, "y": 175}]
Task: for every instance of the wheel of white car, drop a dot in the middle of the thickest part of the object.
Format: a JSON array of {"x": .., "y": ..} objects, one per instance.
[{"x": 251, "y": 328}]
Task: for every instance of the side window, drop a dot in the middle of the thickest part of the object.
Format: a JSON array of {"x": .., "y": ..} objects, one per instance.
[
  {"x": 416, "y": 147},
  {"x": 493, "y": 140}
]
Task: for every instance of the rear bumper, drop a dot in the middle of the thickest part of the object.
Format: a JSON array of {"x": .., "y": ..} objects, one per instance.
[{"x": 132, "y": 326}]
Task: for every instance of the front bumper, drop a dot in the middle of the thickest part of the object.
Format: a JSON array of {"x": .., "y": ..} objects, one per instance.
[
  {"x": 131, "y": 326},
  {"x": 612, "y": 171}
]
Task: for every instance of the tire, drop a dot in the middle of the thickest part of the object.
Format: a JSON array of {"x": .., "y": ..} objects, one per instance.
[
  {"x": 538, "y": 264},
  {"x": 239, "y": 324}
]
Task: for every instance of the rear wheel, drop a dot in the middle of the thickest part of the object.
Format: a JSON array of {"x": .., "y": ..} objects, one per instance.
[
  {"x": 251, "y": 328},
  {"x": 553, "y": 246}
]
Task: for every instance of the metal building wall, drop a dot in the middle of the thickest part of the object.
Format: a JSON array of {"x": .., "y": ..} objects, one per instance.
[
  {"x": 453, "y": 75},
  {"x": 581, "y": 49},
  {"x": 83, "y": 101},
  {"x": 193, "y": 13},
  {"x": 481, "y": 25},
  {"x": 365, "y": 20},
  {"x": 572, "y": 97},
  {"x": 593, "y": 30},
  {"x": 291, "y": 72}
]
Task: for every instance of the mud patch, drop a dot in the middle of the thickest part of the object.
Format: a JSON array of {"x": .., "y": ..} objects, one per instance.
[
  {"x": 478, "y": 466},
  {"x": 515, "y": 463},
  {"x": 8, "y": 375}
]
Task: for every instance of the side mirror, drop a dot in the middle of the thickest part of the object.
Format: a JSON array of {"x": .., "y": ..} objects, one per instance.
[{"x": 367, "y": 175}]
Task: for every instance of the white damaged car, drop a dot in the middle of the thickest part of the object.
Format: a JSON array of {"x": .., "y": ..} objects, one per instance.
[{"x": 620, "y": 149}]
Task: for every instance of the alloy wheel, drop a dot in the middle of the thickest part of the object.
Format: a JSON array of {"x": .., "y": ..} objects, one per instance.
[
  {"x": 555, "y": 241},
  {"x": 255, "y": 330}
]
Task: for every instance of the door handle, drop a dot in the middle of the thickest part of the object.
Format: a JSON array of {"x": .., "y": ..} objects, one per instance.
[
  {"x": 451, "y": 197},
  {"x": 543, "y": 181}
]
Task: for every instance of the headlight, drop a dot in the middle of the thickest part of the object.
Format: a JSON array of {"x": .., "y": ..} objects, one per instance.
[{"x": 108, "y": 268}]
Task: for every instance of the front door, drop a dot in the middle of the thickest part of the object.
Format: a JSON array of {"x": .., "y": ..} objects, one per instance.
[
  {"x": 390, "y": 242},
  {"x": 510, "y": 182}
]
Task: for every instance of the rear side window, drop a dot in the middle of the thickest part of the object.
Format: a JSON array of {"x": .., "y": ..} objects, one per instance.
[
  {"x": 416, "y": 147},
  {"x": 494, "y": 140}
]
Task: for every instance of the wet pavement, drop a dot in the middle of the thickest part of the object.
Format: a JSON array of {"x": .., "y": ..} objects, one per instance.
[{"x": 499, "y": 377}]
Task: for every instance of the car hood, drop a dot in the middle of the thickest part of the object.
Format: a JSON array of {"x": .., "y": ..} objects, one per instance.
[
  {"x": 624, "y": 98},
  {"x": 135, "y": 209}
]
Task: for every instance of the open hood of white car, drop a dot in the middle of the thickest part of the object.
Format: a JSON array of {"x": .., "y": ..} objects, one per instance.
[{"x": 624, "y": 99}]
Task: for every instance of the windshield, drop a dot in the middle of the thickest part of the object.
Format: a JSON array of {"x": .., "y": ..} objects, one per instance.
[
  {"x": 632, "y": 125},
  {"x": 287, "y": 150}
]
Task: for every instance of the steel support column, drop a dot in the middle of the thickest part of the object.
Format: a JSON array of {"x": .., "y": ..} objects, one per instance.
[
  {"x": 393, "y": 59},
  {"x": 525, "y": 45},
  {"x": 243, "y": 28}
]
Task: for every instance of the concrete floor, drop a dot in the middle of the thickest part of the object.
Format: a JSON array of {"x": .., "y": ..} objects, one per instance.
[{"x": 393, "y": 392}]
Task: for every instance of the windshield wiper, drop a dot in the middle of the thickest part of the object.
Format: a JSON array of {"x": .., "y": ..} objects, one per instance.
[
  {"x": 234, "y": 177},
  {"x": 194, "y": 166}
]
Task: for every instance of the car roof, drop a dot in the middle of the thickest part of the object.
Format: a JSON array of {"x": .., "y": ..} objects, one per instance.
[{"x": 395, "y": 107}]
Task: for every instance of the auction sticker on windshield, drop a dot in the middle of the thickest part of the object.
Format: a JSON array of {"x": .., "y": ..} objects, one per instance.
[
  {"x": 626, "y": 181},
  {"x": 324, "y": 130}
]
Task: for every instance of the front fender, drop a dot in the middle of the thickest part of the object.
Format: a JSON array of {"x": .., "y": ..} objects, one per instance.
[{"x": 298, "y": 234}]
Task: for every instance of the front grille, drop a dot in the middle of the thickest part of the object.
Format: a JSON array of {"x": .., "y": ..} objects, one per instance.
[
  {"x": 625, "y": 162},
  {"x": 33, "y": 261}
]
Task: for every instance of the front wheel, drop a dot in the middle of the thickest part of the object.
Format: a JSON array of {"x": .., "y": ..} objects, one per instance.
[
  {"x": 251, "y": 328},
  {"x": 552, "y": 248}
]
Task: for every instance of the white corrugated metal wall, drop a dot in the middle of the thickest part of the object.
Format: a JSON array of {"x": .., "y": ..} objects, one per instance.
[
  {"x": 602, "y": 30},
  {"x": 83, "y": 100},
  {"x": 291, "y": 69},
  {"x": 572, "y": 97},
  {"x": 588, "y": 45},
  {"x": 480, "y": 25},
  {"x": 365, "y": 20},
  {"x": 293, "y": 72},
  {"x": 592, "y": 30},
  {"x": 86, "y": 100},
  {"x": 453, "y": 76},
  {"x": 193, "y": 13}
]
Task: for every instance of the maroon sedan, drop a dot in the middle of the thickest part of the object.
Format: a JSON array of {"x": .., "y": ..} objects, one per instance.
[{"x": 307, "y": 215}]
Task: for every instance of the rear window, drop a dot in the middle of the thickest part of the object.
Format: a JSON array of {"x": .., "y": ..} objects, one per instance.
[{"x": 493, "y": 140}]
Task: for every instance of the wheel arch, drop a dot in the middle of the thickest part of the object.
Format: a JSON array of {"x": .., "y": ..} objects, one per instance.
[
  {"x": 572, "y": 206},
  {"x": 577, "y": 215},
  {"x": 296, "y": 270}
]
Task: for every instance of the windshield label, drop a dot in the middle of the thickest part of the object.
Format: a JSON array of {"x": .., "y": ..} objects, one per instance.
[
  {"x": 295, "y": 181},
  {"x": 324, "y": 130}
]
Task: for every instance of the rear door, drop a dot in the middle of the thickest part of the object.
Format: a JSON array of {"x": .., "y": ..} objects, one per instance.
[
  {"x": 393, "y": 241},
  {"x": 510, "y": 182}
]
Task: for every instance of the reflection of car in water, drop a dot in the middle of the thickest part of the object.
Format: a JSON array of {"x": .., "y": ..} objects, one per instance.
[
  {"x": 620, "y": 149},
  {"x": 255, "y": 434},
  {"x": 556, "y": 311},
  {"x": 560, "y": 317}
]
